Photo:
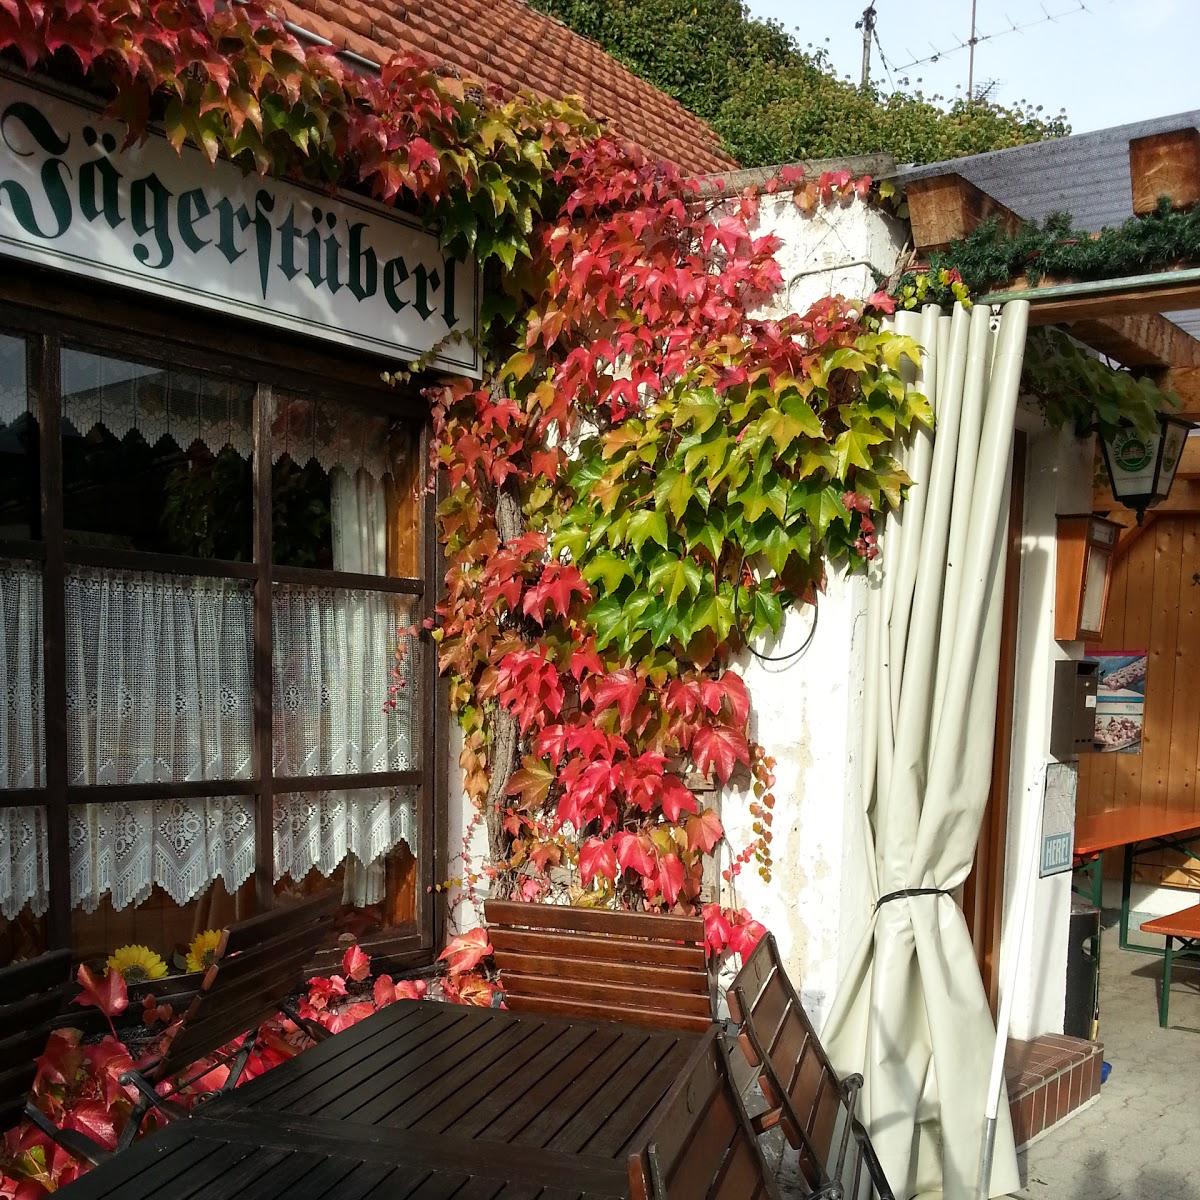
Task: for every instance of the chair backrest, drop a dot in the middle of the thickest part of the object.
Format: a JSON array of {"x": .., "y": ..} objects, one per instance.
[
  {"x": 702, "y": 1146},
  {"x": 32, "y": 994},
  {"x": 804, "y": 1093},
  {"x": 258, "y": 963},
  {"x": 643, "y": 968}
]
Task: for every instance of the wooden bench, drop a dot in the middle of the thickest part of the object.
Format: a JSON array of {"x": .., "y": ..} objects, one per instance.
[
  {"x": 259, "y": 962},
  {"x": 32, "y": 995},
  {"x": 804, "y": 1094},
  {"x": 645, "y": 968},
  {"x": 704, "y": 1147},
  {"x": 1182, "y": 927}
]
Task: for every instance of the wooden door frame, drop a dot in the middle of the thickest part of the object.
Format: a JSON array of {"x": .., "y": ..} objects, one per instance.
[{"x": 983, "y": 892}]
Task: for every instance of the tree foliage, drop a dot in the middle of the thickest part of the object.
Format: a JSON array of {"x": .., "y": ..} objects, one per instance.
[{"x": 772, "y": 101}]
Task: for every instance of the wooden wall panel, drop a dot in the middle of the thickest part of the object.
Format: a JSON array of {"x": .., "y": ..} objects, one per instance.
[{"x": 1155, "y": 604}]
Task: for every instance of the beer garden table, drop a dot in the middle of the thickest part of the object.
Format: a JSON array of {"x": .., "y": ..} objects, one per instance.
[{"x": 422, "y": 1100}]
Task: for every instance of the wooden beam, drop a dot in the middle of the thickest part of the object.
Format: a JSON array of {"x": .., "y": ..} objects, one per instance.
[
  {"x": 945, "y": 208},
  {"x": 1140, "y": 340},
  {"x": 1189, "y": 461},
  {"x": 1165, "y": 164},
  {"x": 1185, "y": 383},
  {"x": 1060, "y": 309}
]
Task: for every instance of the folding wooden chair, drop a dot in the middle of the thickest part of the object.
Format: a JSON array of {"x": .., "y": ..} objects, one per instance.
[
  {"x": 644, "y": 968},
  {"x": 259, "y": 962},
  {"x": 32, "y": 995},
  {"x": 803, "y": 1091},
  {"x": 703, "y": 1146}
]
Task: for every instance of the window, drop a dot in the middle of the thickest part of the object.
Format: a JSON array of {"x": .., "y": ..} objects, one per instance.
[{"x": 223, "y": 650}]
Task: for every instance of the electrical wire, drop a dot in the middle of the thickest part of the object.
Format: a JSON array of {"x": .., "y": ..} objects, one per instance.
[{"x": 777, "y": 658}]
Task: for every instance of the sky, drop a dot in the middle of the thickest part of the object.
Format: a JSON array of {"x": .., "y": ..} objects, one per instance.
[{"x": 1115, "y": 62}]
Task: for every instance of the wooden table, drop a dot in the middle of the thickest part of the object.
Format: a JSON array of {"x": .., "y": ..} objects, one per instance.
[
  {"x": 1135, "y": 830},
  {"x": 443, "y": 1099}
]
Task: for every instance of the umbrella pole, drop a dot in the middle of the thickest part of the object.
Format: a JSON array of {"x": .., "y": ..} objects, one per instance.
[{"x": 1004, "y": 1016}]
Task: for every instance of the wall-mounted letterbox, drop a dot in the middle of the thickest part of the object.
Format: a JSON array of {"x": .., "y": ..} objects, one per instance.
[{"x": 1073, "y": 708}]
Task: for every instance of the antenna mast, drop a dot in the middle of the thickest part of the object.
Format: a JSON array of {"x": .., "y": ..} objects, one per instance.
[{"x": 867, "y": 24}]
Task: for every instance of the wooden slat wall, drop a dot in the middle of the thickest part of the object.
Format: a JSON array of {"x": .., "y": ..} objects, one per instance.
[{"x": 1155, "y": 604}]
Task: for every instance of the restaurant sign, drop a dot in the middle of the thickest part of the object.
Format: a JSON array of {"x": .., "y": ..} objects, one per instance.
[{"x": 340, "y": 268}]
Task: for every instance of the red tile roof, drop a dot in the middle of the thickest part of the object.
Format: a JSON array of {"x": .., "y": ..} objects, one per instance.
[{"x": 507, "y": 43}]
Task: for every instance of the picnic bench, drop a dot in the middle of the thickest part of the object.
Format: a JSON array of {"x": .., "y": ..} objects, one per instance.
[
  {"x": 1184, "y": 928},
  {"x": 450, "y": 1100}
]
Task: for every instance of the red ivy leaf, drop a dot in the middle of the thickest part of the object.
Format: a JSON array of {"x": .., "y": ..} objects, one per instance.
[
  {"x": 355, "y": 964},
  {"x": 620, "y": 688},
  {"x": 467, "y": 951},
  {"x": 677, "y": 798},
  {"x": 109, "y": 994},
  {"x": 597, "y": 857},
  {"x": 704, "y": 831},
  {"x": 718, "y": 749}
]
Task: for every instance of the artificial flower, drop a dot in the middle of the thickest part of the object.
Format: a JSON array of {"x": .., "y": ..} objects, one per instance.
[
  {"x": 136, "y": 964},
  {"x": 202, "y": 953}
]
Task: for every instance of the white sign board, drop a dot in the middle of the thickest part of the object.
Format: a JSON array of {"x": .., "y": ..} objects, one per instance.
[
  {"x": 1058, "y": 819},
  {"x": 336, "y": 267}
]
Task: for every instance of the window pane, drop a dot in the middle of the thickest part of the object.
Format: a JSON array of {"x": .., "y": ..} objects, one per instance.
[
  {"x": 20, "y": 504},
  {"x": 361, "y": 842},
  {"x": 155, "y": 458},
  {"x": 346, "y": 678},
  {"x": 158, "y": 677},
  {"x": 157, "y": 872},
  {"x": 344, "y": 489},
  {"x": 24, "y": 881},
  {"x": 22, "y": 736}
]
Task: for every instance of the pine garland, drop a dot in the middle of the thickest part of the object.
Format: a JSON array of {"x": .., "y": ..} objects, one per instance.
[{"x": 990, "y": 258}]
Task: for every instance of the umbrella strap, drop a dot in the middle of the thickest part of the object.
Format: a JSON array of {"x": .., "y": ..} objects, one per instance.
[{"x": 904, "y": 892}]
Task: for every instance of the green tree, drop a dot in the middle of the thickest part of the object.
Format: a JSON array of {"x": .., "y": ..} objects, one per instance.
[{"x": 772, "y": 101}]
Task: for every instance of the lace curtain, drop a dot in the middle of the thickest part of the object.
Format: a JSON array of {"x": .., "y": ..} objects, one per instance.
[
  {"x": 335, "y": 655},
  {"x": 159, "y": 690},
  {"x": 189, "y": 407}
]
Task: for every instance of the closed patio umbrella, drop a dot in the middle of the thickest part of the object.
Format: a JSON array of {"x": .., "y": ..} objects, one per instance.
[{"x": 911, "y": 1013}]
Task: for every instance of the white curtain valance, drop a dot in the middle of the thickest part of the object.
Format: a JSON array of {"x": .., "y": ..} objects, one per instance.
[{"x": 189, "y": 407}]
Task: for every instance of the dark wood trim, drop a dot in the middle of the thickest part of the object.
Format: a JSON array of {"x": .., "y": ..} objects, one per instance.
[
  {"x": 345, "y": 783},
  {"x": 23, "y": 797},
  {"x": 316, "y": 577},
  {"x": 22, "y": 548},
  {"x": 432, "y": 907},
  {"x": 44, "y": 364},
  {"x": 34, "y": 300},
  {"x": 264, "y": 809},
  {"x": 161, "y": 564},
  {"x": 129, "y": 793},
  {"x": 983, "y": 892}
]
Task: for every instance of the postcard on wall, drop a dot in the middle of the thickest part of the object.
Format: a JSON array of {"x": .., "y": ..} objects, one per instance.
[{"x": 1120, "y": 700}]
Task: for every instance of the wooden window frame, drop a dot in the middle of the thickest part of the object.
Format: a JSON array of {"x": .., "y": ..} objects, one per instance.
[{"x": 50, "y": 313}]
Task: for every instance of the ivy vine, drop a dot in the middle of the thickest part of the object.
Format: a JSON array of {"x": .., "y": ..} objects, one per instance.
[{"x": 647, "y": 477}]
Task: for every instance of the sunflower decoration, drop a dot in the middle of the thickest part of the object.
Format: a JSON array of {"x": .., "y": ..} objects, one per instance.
[
  {"x": 202, "y": 953},
  {"x": 136, "y": 964}
]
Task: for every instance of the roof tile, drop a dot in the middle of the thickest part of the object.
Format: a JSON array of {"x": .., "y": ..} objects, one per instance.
[{"x": 510, "y": 45}]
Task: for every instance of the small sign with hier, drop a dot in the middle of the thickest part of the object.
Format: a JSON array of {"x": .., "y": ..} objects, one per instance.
[{"x": 1058, "y": 819}]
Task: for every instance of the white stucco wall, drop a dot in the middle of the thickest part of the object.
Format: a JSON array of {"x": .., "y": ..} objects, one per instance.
[{"x": 1058, "y": 481}]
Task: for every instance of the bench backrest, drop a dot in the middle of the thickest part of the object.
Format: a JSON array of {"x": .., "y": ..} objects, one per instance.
[
  {"x": 259, "y": 962},
  {"x": 803, "y": 1092},
  {"x": 643, "y": 968},
  {"x": 32, "y": 994},
  {"x": 702, "y": 1146}
]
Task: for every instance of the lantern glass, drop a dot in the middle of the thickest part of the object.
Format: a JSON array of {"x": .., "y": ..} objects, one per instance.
[
  {"x": 1141, "y": 466},
  {"x": 1095, "y": 581}
]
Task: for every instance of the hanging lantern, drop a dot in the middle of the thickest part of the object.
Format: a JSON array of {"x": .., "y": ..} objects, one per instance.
[{"x": 1141, "y": 467}]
